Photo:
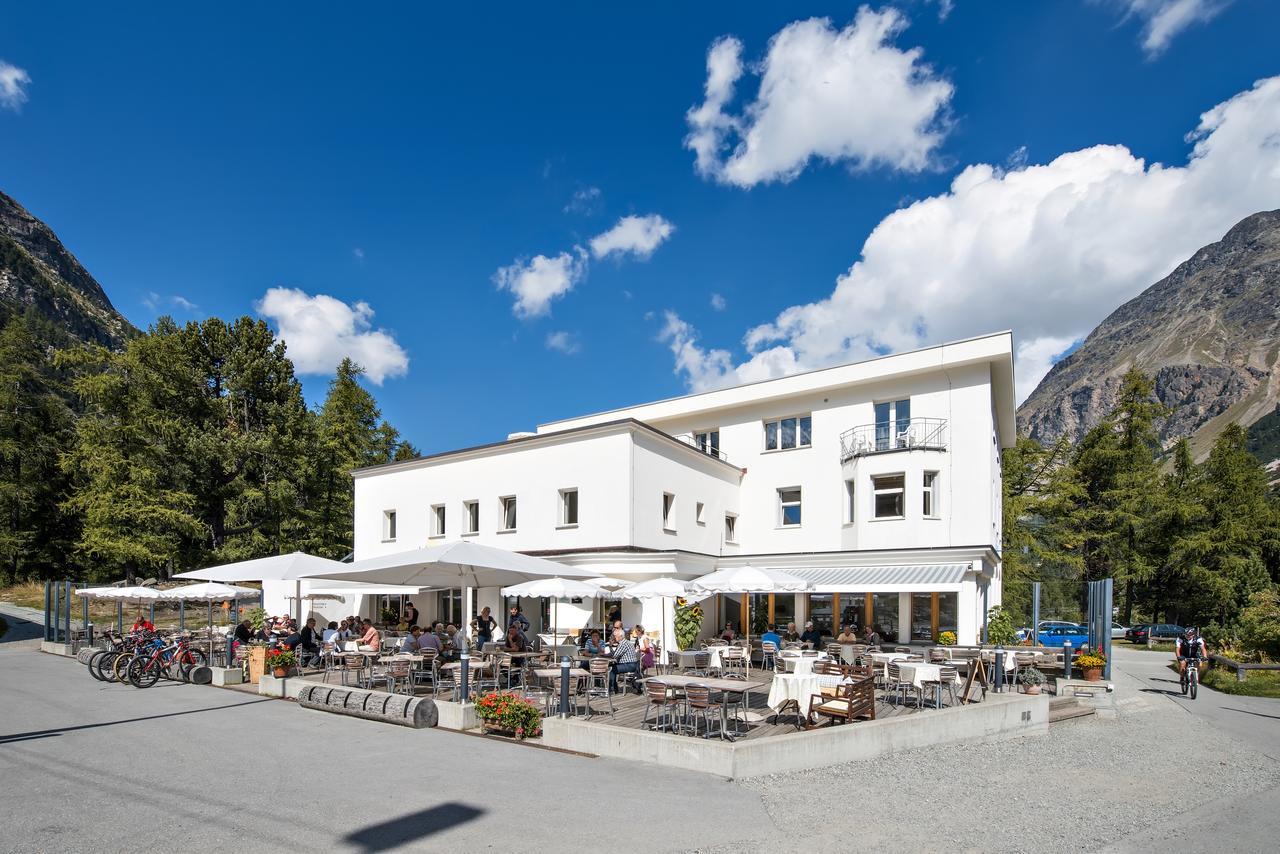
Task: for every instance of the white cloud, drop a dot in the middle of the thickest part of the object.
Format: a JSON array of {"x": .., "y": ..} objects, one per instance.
[
  {"x": 539, "y": 281},
  {"x": 837, "y": 95},
  {"x": 13, "y": 86},
  {"x": 183, "y": 303},
  {"x": 358, "y": 253},
  {"x": 1047, "y": 250},
  {"x": 636, "y": 235},
  {"x": 585, "y": 201},
  {"x": 563, "y": 342},
  {"x": 1034, "y": 358},
  {"x": 718, "y": 302},
  {"x": 320, "y": 331},
  {"x": 1163, "y": 20}
]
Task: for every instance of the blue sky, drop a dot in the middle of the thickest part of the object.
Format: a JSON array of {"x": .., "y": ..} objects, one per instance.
[{"x": 875, "y": 181}]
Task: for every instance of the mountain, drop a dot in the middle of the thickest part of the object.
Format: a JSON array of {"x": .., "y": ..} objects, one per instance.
[
  {"x": 1209, "y": 333},
  {"x": 37, "y": 273}
]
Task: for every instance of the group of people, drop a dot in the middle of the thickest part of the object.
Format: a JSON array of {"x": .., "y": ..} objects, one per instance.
[
  {"x": 628, "y": 651},
  {"x": 447, "y": 640},
  {"x": 811, "y": 636}
]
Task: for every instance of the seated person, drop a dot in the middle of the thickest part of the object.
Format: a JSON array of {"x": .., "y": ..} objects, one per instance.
[
  {"x": 370, "y": 636},
  {"x": 593, "y": 647},
  {"x": 873, "y": 637},
  {"x": 409, "y": 643},
  {"x": 811, "y": 636},
  {"x": 514, "y": 641},
  {"x": 728, "y": 634},
  {"x": 772, "y": 637},
  {"x": 330, "y": 633},
  {"x": 266, "y": 633},
  {"x": 458, "y": 637},
  {"x": 847, "y": 635},
  {"x": 142, "y": 624},
  {"x": 308, "y": 643},
  {"x": 428, "y": 640},
  {"x": 791, "y": 635},
  {"x": 626, "y": 659}
]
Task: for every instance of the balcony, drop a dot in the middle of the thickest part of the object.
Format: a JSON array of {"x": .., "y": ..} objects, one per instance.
[
  {"x": 710, "y": 449},
  {"x": 918, "y": 434}
]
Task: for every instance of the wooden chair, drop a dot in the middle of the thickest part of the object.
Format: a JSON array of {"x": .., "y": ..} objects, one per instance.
[
  {"x": 852, "y": 700},
  {"x": 937, "y": 656},
  {"x": 661, "y": 698},
  {"x": 736, "y": 665},
  {"x": 599, "y": 684},
  {"x": 768, "y": 655},
  {"x": 353, "y": 666},
  {"x": 905, "y": 650},
  {"x": 699, "y": 705}
]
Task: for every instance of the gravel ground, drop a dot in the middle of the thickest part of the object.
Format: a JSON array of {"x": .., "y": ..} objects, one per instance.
[{"x": 1107, "y": 778}]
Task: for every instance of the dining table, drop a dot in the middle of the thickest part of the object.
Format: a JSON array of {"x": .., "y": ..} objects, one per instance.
[
  {"x": 919, "y": 673},
  {"x": 726, "y": 686},
  {"x": 802, "y": 664}
]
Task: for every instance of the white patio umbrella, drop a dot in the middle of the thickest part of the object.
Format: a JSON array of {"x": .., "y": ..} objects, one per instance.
[
  {"x": 749, "y": 579},
  {"x": 287, "y": 567},
  {"x": 210, "y": 592},
  {"x": 458, "y": 564},
  {"x": 555, "y": 589},
  {"x": 608, "y": 584},
  {"x": 129, "y": 594},
  {"x": 659, "y": 588}
]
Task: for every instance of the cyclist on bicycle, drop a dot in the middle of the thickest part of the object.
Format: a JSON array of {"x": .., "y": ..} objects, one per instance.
[{"x": 1190, "y": 646}]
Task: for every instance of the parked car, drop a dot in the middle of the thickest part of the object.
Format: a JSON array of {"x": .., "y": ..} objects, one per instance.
[
  {"x": 1058, "y": 635},
  {"x": 1134, "y": 628},
  {"x": 1118, "y": 631},
  {"x": 1157, "y": 631}
]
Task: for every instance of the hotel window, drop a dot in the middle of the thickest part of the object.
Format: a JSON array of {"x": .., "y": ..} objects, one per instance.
[
  {"x": 888, "y": 490},
  {"x": 930, "y": 500},
  {"x": 388, "y": 525},
  {"x": 850, "y": 505},
  {"x": 701, "y": 513},
  {"x": 786, "y": 433},
  {"x": 568, "y": 507},
  {"x": 508, "y": 503},
  {"x": 470, "y": 517},
  {"x": 730, "y": 528},
  {"x": 893, "y": 419},
  {"x": 789, "y": 507},
  {"x": 668, "y": 511},
  {"x": 437, "y": 520},
  {"x": 708, "y": 441}
]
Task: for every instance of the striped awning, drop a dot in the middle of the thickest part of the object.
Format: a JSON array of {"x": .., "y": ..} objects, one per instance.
[{"x": 853, "y": 577}]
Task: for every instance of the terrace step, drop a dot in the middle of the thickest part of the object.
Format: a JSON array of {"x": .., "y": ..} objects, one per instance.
[{"x": 1066, "y": 708}]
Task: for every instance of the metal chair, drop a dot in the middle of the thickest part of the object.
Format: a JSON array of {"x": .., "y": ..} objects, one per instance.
[
  {"x": 768, "y": 655},
  {"x": 937, "y": 656},
  {"x": 905, "y": 650},
  {"x": 599, "y": 684},
  {"x": 353, "y": 665},
  {"x": 660, "y": 697},
  {"x": 398, "y": 672},
  {"x": 698, "y": 704},
  {"x": 735, "y": 663},
  {"x": 701, "y": 664}
]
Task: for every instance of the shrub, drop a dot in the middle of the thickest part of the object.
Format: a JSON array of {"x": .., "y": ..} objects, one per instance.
[
  {"x": 510, "y": 711},
  {"x": 280, "y": 658},
  {"x": 256, "y": 615},
  {"x": 1091, "y": 659},
  {"x": 1031, "y": 676},
  {"x": 1000, "y": 630},
  {"x": 947, "y": 638},
  {"x": 1260, "y": 623}
]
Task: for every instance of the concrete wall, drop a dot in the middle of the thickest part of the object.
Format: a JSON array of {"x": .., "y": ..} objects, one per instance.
[{"x": 998, "y": 717}]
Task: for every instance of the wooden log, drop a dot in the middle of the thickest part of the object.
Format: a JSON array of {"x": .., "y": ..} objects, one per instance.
[{"x": 416, "y": 712}]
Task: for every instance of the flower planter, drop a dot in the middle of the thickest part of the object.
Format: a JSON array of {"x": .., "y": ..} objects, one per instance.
[
  {"x": 1092, "y": 674},
  {"x": 1033, "y": 689},
  {"x": 494, "y": 728},
  {"x": 280, "y": 672},
  {"x": 257, "y": 663}
]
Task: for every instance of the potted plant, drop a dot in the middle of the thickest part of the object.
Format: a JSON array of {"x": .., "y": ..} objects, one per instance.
[
  {"x": 947, "y": 639},
  {"x": 279, "y": 661},
  {"x": 1031, "y": 680},
  {"x": 688, "y": 623},
  {"x": 257, "y": 616},
  {"x": 507, "y": 713},
  {"x": 1091, "y": 664}
]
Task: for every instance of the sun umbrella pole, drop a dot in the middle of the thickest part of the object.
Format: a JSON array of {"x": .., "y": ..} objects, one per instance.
[{"x": 211, "y": 633}]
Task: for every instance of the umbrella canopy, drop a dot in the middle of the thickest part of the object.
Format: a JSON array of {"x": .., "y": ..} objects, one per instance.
[
  {"x": 657, "y": 588},
  {"x": 325, "y": 587},
  {"x": 95, "y": 592},
  {"x": 210, "y": 591},
  {"x": 749, "y": 579},
  {"x": 458, "y": 564},
  {"x": 275, "y": 568},
  {"x": 609, "y": 584},
  {"x": 129, "y": 594},
  {"x": 554, "y": 588}
]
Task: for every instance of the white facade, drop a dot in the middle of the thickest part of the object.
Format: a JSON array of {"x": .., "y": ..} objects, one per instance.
[{"x": 847, "y": 503}]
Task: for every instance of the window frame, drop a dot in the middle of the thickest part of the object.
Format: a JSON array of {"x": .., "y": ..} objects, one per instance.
[
  {"x": 669, "y": 512},
  {"x": 798, "y": 432},
  {"x": 850, "y": 502},
  {"x": 930, "y": 505},
  {"x": 389, "y": 525},
  {"x": 900, "y": 491},
  {"x": 784, "y": 504},
  {"x": 730, "y": 527},
  {"x": 700, "y": 513},
  {"x": 503, "y": 509},
  {"x": 890, "y": 439},
  {"x": 564, "y": 507},
  {"x": 469, "y": 505},
  {"x": 439, "y": 517},
  {"x": 703, "y": 441}
]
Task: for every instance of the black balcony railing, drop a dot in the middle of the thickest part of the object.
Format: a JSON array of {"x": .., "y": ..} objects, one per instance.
[{"x": 918, "y": 434}]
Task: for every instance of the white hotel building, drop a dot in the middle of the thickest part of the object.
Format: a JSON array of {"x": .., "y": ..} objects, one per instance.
[{"x": 878, "y": 481}]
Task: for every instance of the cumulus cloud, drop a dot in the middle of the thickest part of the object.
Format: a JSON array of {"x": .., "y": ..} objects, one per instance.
[
  {"x": 634, "y": 235},
  {"x": 1047, "y": 250},
  {"x": 321, "y": 330},
  {"x": 838, "y": 95},
  {"x": 585, "y": 201},
  {"x": 13, "y": 86},
  {"x": 539, "y": 281},
  {"x": 718, "y": 302},
  {"x": 1164, "y": 20},
  {"x": 563, "y": 342}
]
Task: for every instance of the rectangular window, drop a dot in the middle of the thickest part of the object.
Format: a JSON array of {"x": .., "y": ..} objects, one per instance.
[
  {"x": 893, "y": 421},
  {"x": 471, "y": 517},
  {"x": 437, "y": 520},
  {"x": 786, "y": 433},
  {"x": 789, "y": 507},
  {"x": 701, "y": 513},
  {"x": 888, "y": 490},
  {"x": 730, "y": 528},
  {"x": 388, "y": 525},
  {"x": 568, "y": 507},
  {"x": 930, "y": 500},
  {"x": 708, "y": 441},
  {"x": 668, "y": 511},
  {"x": 849, "y": 504},
  {"x": 508, "y": 512}
]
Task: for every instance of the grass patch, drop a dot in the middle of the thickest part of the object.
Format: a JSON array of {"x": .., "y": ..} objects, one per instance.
[
  {"x": 1257, "y": 683},
  {"x": 1158, "y": 646}
]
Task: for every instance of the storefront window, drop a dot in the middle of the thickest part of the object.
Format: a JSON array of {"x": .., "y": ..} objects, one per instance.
[
  {"x": 449, "y": 605},
  {"x": 759, "y": 614},
  {"x": 820, "y": 605},
  {"x": 732, "y": 614},
  {"x": 884, "y": 615},
  {"x": 948, "y": 611},
  {"x": 853, "y": 611},
  {"x": 922, "y": 616},
  {"x": 784, "y": 609}
]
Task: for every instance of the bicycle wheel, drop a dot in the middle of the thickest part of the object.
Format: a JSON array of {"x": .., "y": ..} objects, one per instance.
[
  {"x": 1194, "y": 680},
  {"x": 92, "y": 664},
  {"x": 144, "y": 672},
  {"x": 190, "y": 660},
  {"x": 1182, "y": 682},
  {"x": 121, "y": 667},
  {"x": 104, "y": 666}
]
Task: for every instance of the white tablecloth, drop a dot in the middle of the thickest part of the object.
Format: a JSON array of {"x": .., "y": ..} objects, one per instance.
[
  {"x": 801, "y": 664},
  {"x": 792, "y": 686},
  {"x": 917, "y": 673}
]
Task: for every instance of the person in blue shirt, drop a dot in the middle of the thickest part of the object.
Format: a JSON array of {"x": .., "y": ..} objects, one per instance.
[{"x": 772, "y": 636}]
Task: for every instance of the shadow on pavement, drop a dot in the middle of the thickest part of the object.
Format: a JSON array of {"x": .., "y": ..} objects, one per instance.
[
  {"x": 1161, "y": 691},
  {"x": 410, "y": 828},
  {"x": 1247, "y": 712},
  {"x": 48, "y": 733}
]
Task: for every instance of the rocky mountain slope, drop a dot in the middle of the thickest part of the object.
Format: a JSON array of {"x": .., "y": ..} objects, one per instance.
[
  {"x": 1209, "y": 333},
  {"x": 37, "y": 272}
]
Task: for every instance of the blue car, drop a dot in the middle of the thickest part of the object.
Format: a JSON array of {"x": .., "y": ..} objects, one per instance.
[{"x": 1058, "y": 635}]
